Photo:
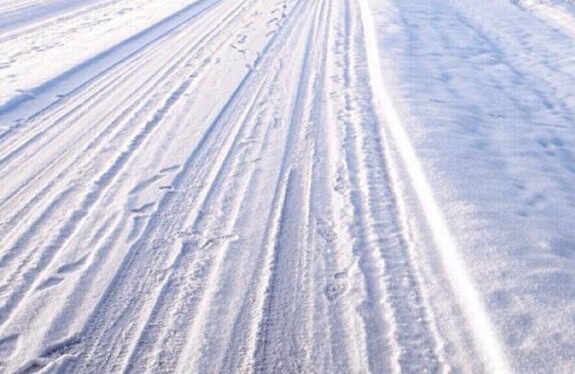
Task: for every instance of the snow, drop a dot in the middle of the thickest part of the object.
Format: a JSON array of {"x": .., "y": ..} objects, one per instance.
[
  {"x": 36, "y": 53},
  {"x": 488, "y": 104},
  {"x": 287, "y": 186}
]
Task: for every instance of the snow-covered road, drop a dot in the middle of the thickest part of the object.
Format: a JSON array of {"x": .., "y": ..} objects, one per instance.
[{"x": 314, "y": 186}]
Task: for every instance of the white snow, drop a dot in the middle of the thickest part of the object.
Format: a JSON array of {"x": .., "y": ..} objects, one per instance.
[{"x": 287, "y": 186}]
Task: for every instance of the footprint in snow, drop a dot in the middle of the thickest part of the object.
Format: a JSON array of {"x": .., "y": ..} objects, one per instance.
[
  {"x": 72, "y": 266},
  {"x": 8, "y": 345},
  {"x": 334, "y": 291},
  {"x": 50, "y": 282}
]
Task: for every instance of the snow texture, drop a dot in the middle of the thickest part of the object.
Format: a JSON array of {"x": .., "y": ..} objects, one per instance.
[{"x": 287, "y": 186}]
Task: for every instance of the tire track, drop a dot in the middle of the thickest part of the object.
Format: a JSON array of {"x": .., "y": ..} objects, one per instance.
[
  {"x": 277, "y": 242},
  {"x": 29, "y": 270},
  {"x": 71, "y": 36},
  {"x": 342, "y": 344},
  {"x": 118, "y": 78},
  {"x": 18, "y": 33},
  {"x": 115, "y": 118},
  {"x": 83, "y": 153},
  {"x": 242, "y": 312},
  {"x": 283, "y": 337},
  {"x": 203, "y": 245},
  {"x": 393, "y": 308},
  {"x": 455, "y": 273},
  {"x": 49, "y": 95},
  {"x": 182, "y": 180},
  {"x": 88, "y": 228}
]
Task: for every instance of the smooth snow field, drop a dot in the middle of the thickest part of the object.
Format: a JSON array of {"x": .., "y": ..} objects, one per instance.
[{"x": 287, "y": 186}]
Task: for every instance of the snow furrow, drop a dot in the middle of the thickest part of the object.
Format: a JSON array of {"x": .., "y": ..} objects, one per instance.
[
  {"x": 285, "y": 186},
  {"x": 337, "y": 323},
  {"x": 91, "y": 197},
  {"x": 413, "y": 331},
  {"x": 137, "y": 107},
  {"x": 175, "y": 184},
  {"x": 281, "y": 346},
  {"x": 493, "y": 354},
  {"x": 83, "y": 36}
]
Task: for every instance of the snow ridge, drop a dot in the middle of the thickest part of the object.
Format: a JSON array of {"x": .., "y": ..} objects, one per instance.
[{"x": 486, "y": 338}]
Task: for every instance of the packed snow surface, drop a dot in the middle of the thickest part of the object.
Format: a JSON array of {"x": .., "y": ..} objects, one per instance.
[{"x": 286, "y": 186}]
